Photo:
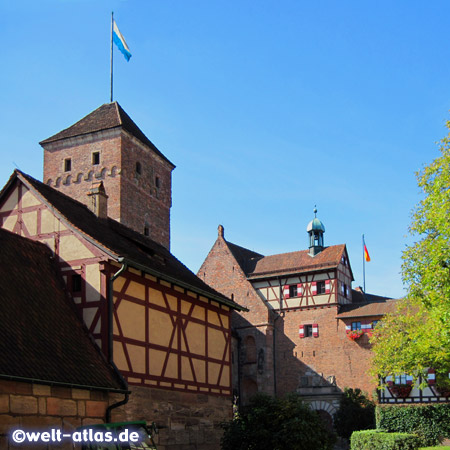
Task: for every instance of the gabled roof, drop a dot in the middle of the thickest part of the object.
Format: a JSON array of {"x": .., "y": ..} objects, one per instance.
[
  {"x": 107, "y": 116},
  {"x": 257, "y": 266},
  {"x": 41, "y": 336},
  {"x": 246, "y": 258},
  {"x": 374, "y": 308},
  {"x": 301, "y": 261},
  {"x": 120, "y": 241}
]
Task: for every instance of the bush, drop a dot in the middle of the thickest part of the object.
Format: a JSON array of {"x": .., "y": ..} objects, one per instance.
[
  {"x": 379, "y": 440},
  {"x": 276, "y": 424},
  {"x": 356, "y": 412},
  {"x": 430, "y": 422}
]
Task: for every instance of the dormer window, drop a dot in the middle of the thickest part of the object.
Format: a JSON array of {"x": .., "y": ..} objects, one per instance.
[
  {"x": 95, "y": 158},
  {"x": 67, "y": 165},
  {"x": 138, "y": 168}
]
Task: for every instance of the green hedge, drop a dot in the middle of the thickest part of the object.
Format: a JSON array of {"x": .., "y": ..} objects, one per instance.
[
  {"x": 430, "y": 422},
  {"x": 380, "y": 440}
]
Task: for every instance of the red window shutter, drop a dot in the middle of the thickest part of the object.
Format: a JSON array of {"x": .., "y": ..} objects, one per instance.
[
  {"x": 301, "y": 331},
  {"x": 431, "y": 376},
  {"x": 299, "y": 289},
  {"x": 286, "y": 291},
  {"x": 327, "y": 286},
  {"x": 314, "y": 288},
  {"x": 315, "y": 329}
]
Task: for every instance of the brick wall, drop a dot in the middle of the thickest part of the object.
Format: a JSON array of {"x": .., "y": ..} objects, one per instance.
[
  {"x": 330, "y": 354},
  {"x": 40, "y": 407},
  {"x": 133, "y": 199},
  {"x": 221, "y": 271},
  {"x": 186, "y": 420}
]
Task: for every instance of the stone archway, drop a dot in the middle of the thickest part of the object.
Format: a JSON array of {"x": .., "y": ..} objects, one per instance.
[{"x": 325, "y": 410}]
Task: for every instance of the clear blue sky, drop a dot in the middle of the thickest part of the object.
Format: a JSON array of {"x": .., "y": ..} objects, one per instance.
[{"x": 266, "y": 107}]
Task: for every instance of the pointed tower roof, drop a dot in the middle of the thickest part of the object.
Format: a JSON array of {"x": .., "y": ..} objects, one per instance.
[{"x": 107, "y": 116}]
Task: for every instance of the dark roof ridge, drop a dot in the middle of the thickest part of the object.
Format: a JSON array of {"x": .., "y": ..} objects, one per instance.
[
  {"x": 105, "y": 117},
  {"x": 109, "y": 235}
]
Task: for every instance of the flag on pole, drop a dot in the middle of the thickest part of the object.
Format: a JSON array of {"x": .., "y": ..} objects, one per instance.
[
  {"x": 366, "y": 253},
  {"x": 119, "y": 40}
]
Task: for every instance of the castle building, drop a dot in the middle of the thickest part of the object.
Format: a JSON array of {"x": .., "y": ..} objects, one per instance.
[
  {"x": 301, "y": 307},
  {"x": 160, "y": 335}
]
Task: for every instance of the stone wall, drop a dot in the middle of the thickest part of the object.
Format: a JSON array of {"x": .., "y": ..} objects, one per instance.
[
  {"x": 186, "y": 420},
  {"x": 40, "y": 407}
]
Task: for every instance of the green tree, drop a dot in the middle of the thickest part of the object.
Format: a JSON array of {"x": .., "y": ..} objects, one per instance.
[
  {"x": 276, "y": 424},
  {"x": 356, "y": 412},
  {"x": 417, "y": 336}
]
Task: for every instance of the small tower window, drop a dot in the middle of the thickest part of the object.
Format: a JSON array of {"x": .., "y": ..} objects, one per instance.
[
  {"x": 96, "y": 158},
  {"x": 138, "y": 168},
  {"x": 146, "y": 230},
  {"x": 67, "y": 165},
  {"x": 157, "y": 182}
]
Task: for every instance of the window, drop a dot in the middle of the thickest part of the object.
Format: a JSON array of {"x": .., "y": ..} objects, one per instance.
[
  {"x": 321, "y": 287},
  {"x": 308, "y": 330},
  {"x": 138, "y": 168},
  {"x": 344, "y": 289},
  {"x": 157, "y": 183},
  {"x": 293, "y": 291},
  {"x": 96, "y": 158},
  {"x": 146, "y": 231},
  {"x": 344, "y": 261},
  {"x": 401, "y": 379},
  {"x": 76, "y": 283},
  {"x": 67, "y": 165},
  {"x": 374, "y": 323},
  {"x": 356, "y": 326}
]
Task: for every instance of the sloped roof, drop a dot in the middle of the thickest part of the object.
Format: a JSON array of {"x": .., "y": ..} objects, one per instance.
[
  {"x": 300, "y": 261},
  {"x": 41, "y": 336},
  {"x": 246, "y": 258},
  {"x": 107, "y": 116},
  {"x": 121, "y": 241},
  {"x": 376, "y": 308},
  {"x": 359, "y": 296}
]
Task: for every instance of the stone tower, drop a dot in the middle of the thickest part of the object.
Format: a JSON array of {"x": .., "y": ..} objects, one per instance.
[{"x": 108, "y": 146}]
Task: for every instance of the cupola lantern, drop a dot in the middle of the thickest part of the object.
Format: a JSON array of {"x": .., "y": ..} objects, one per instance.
[{"x": 315, "y": 230}]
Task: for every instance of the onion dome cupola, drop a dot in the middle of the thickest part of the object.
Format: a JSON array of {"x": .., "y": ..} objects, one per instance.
[{"x": 315, "y": 230}]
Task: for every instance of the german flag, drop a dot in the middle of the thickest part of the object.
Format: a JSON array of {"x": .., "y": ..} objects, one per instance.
[{"x": 366, "y": 253}]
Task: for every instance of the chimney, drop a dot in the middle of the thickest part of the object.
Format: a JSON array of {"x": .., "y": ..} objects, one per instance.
[
  {"x": 221, "y": 231},
  {"x": 98, "y": 200}
]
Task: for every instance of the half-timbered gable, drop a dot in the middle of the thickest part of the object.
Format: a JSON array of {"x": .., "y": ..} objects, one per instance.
[{"x": 157, "y": 322}]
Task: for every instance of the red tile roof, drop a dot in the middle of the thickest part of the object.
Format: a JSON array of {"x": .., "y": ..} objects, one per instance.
[
  {"x": 41, "y": 335},
  {"x": 378, "y": 308},
  {"x": 107, "y": 116},
  {"x": 295, "y": 262}
]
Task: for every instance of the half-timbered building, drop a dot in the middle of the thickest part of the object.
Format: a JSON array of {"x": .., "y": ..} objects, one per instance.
[
  {"x": 166, "y": 330},
  {"x": 296, "y": 334}
]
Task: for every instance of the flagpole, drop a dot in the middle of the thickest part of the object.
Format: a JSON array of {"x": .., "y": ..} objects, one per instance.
[
  {"x": 112, "y": 27},
  {"x": 364, "y": 265}
]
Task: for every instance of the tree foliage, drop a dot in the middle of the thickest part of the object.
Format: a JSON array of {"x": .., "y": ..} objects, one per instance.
[
  {"x": 417, "y": 336},
  {"x": 356, "y": 412},
  {"x": 276, "y": 424}
]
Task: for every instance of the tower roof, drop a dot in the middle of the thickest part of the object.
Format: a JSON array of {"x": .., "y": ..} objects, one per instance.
[
  {"x": 107, "y": 116},
  {"x": 315, "y": 224}
]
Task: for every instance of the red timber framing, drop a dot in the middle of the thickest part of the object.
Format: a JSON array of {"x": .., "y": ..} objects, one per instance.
[
  {"x": 305, "y": 298},
  {"x": 167, "y": 337}
]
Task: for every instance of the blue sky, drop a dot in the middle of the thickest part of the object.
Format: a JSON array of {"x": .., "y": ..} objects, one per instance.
[{"x": 267, "y": 108}]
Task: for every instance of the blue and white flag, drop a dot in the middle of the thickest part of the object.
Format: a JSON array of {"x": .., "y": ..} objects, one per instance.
[{"x": 120, "y": 42}]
